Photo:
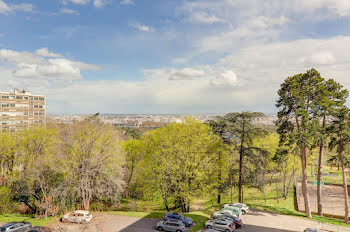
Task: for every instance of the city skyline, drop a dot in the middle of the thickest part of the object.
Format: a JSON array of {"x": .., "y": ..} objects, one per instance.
[{"x": 164, "y": 56}]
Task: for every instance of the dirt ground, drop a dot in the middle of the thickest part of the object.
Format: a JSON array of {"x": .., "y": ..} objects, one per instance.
[
  {"x": 256, "y": 221},
  {"x": 333, "y": 199}
]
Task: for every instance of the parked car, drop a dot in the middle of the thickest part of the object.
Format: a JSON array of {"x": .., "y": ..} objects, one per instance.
[
  {"x": 79, "y": 216},
  {"x": 38, "y": 229},
  {"x": 171, "y": 225},
  {"x": 312, "y": 230},
  {"x": 224, "y": 212},
  {"x": 238, "y": 222},
  {"x": 243, "y": 207},
  {"x": 235, "y": 210},
  {"x": 186, "y": 220},
  {"x": 220, "y": 225},
  {"x": 15, "y": 227}
]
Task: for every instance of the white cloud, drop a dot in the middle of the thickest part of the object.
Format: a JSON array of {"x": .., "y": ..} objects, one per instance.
[
  {"x": 68, "y": 11},
  {"x": 80, "y": 2},
  {"x": 322, "y": 58},
  {"x": 45, "y": 52},
  {"x": 101, "y": 3},
  {"x": 6, "y": 8},
  {"x": 37, "y": 66},
  {"x": 227, "y": 78},
  {"x": 127, "y": 2},
  {"x": 186, "y": 74},
  {"x": 141, "y": 27},
  {"x": 1, "y": 35},
  {"x": 205, "y": 18}
]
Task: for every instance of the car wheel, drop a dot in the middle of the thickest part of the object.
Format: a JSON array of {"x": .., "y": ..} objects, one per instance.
[
  {"x": 244, "y": 212},
  {"x": 209, "y": 227},
  {"x": 64, "y": 220},
  {"x": 178, "y": 231},
  {"x": 160, "y": 228},
  {"x": 227, "y": 230}
]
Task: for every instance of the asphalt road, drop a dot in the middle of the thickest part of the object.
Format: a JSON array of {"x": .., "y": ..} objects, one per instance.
[{"x": 256, "y": 221}]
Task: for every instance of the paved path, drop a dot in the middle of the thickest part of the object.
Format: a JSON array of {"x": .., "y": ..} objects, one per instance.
[
  {"x": 256, "y": 221},
  {"x": 261, "y": 221}
]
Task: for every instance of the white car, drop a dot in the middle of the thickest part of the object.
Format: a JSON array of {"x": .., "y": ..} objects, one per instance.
[
  {"x": 224, "y": 212},
  {"x": 79, "y": 216},
  {"x": 244, "y": 208}
]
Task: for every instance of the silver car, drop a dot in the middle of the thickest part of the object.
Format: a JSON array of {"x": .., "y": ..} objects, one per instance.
[
  {"x": 171, "y": 225},
  {"x": 244, "y": 208},
  {"x": 224, "y": 212},
  {"x": 79, "y": 216},
  {"x": 220, "y": 225},
  {"x": 15, "y": 227}
]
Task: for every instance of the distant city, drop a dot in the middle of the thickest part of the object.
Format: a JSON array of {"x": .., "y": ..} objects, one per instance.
[{"x": 148, "y": 120}]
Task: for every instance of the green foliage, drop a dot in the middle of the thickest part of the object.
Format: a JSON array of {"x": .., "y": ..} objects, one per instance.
[
  {"x": 6, "y": 202},
  {"x": 178, "y": 161}
]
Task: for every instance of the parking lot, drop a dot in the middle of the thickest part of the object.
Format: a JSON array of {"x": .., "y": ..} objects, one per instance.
[{"x": 256, "y": 221}]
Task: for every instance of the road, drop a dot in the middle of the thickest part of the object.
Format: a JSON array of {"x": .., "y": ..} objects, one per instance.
[{"x": 256, "y": 221}]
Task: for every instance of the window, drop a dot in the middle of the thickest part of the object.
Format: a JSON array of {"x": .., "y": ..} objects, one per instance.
[
  {"x": 5, "y": 97},
  {"x": 4, "y": 105},
  {"x": 36, "y": 98},
  {"x": 19, "y": 97},
  {"x": 12, "y": 97},
  {"x": 25, "y": 98},
  {"x": 12, "y": 105}
]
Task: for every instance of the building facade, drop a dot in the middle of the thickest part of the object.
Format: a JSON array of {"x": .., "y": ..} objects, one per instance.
[{"x": 21, "y": 109}]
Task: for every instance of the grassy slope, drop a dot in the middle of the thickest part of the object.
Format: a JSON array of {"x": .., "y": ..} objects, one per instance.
[{"x": 6, "y": 218}]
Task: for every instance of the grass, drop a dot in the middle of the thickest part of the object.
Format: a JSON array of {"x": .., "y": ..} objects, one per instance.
[{"x": 6, "y": 218}]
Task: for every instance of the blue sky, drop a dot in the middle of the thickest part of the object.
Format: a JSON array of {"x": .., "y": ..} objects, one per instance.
[{"x": 168, "y": 56}]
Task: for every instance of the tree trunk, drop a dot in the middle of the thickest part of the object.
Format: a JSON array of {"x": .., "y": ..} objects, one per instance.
[
  {"x": 304, "y": 181},
  {"x": 219, "y": 184},
  {"x": 319, "y": 179},
  {"x": 240, "y": 191},
  {"x": 240, "y": 184},
  {"x": 345, "y": 186}
]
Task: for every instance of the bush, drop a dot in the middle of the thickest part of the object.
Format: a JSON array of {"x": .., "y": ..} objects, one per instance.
[{"x": 6, "y": 203}]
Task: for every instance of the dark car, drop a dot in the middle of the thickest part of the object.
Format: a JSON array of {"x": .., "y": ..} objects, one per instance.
[
  {"x": 38, "y": 229},
  {"x": 238, "y": 222},
  {"x": 15, "y": 227},
  {"x": 186, "y": 220}
]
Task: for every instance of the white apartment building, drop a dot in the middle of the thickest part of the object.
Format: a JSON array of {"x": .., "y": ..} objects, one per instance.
[{"x": 21, "y": 109}]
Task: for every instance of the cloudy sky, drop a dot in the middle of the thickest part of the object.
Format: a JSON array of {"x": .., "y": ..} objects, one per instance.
[{"x": 168, "y": 56}]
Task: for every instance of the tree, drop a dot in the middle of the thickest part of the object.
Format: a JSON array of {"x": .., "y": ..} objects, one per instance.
[
  {"x": 330, "y": 97},
  {"x": 242, "y": 133},
  {"x": 296, "y": 122},
  {"x": 92, "y": 160},
  {"x": 178, "y": 160},
  {"x": 134, "y": 150},
  {"x": 219, "y": 127},
  {"x": 340, "y": 141},
  {"x": 7, "y": 156}
]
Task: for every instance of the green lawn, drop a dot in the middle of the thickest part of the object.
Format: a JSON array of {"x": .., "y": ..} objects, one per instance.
[{"x": 6, "y": 218}]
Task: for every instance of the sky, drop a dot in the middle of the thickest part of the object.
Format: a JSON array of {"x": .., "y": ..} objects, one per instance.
[{"x": 168, "y": 56}]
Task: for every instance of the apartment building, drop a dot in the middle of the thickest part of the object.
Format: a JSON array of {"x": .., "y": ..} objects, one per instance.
[{"x": 21, "y": 109}]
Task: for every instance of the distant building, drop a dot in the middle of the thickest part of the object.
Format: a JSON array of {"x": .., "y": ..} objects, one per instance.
[{"x": 21, "y": 109}]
